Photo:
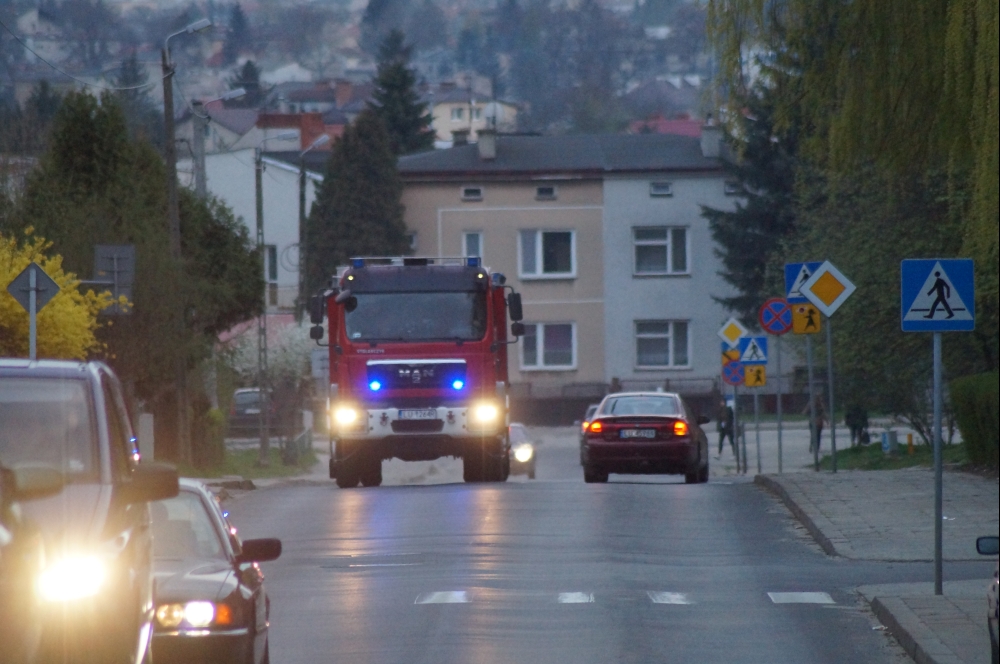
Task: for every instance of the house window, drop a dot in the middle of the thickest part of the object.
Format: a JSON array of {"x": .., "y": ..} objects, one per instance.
[
  {"x": 472, "y": 193},
  {"x": 472, "y": 244},
  {"x": 457, "y": 114},
  {"x": 548, "y": 346},
  {"x": 477, "y": 114},
  {"x": 660, "y": 250},
  {"x": 661, "y": 344},
  {"x": 548, "y": 254},
  {"x": 545, "y": 193},
  {"x": 661, "y": 189}
]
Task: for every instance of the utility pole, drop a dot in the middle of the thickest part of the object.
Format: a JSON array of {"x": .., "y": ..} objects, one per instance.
[
  {"x": 300, "y": 302},
  {"x": 200, "y": 126}
]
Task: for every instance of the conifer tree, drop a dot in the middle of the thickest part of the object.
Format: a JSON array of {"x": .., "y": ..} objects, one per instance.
[
  {"x": 142, "y": 116},
  {"x": 396, "y": 101},
  {"x": 357, "y": 210},
  {"x": 238, "y": 37}
]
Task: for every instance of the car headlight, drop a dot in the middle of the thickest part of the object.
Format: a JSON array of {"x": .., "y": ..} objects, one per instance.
[
  {"x": 485, "y": 413},
  {"x": 72, "y": 578},
  {"x": 345, "y": 415},
  {"x": 198, "y": 615},
  {"x": 524, "y": 453}
]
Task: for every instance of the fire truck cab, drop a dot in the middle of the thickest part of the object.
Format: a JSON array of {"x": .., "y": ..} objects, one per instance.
[{"x": 418, "y": 365}]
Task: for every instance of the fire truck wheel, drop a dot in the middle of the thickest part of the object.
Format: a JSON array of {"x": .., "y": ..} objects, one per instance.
[
  {"x": 346, "y": 480},
  {"x": 472, "y": 466},
  {"x": 371, "y": 475}
]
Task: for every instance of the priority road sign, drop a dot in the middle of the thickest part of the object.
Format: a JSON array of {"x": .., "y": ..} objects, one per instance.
[
  {"x": 805, "y": 319},
  {"x": 755, "y": 376},
  {"x": 827, "y": 288},
  {"x": 733, "y": 373},
  {"x": 753, "y": 350},
  {"x": 797, "y": 274},
  {"x": 776, "y": 316},
  {"x": 731, "y": 332},
  {"x": 45, "y": 288},
  {"x": 938, "y": 295}
]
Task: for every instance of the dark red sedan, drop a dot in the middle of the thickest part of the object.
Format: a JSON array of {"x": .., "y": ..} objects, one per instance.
[{"x": 645, "y": 433}]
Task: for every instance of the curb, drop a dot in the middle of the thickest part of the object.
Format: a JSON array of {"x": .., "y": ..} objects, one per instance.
[
  {"x": 889, "y": 611},
  {"x": 774, "y": 487}
]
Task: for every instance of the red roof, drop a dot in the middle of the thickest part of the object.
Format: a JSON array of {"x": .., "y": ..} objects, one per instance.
[{"x": 661, "y": 125}]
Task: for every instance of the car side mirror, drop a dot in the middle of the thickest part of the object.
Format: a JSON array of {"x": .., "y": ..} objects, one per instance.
[
  {"x": 988, "y": 546},
  {"x": 35, "y": 481},
  {"x": 316, "y": 306},
  {"x": 316, "y": 332},
  {"x": 702, "y": 419},
  {"x": 514, "y": 307},
  {"x": 259, "y": 550},
  {"x": 517, "y": 329},
  {"x": 151, "y": 481}
]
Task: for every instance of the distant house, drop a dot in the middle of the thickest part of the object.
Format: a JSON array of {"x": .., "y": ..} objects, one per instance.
[
  {"x": 42, "y": 37},
  {"x": 657, "y": 124},
  {"x": 461, "y": 110},
  {"x": 604, "y": 238},
  {"x": 669, "y": 95}
]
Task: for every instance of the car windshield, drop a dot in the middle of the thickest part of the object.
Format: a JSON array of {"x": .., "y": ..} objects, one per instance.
[
  {"x": 518, "y": 434},
  {"x": 642, "y": 405},
  {"x": 418, "y": 317},
  {"x": 49, "y": 421},
  {"x": 246, "y": 398},
  {"x": 182, "y": 528}
]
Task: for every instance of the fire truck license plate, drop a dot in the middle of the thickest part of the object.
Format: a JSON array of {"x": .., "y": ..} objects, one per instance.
[
  {"x": 638, "y": 433},
  {"x": 418, "y": 414}
]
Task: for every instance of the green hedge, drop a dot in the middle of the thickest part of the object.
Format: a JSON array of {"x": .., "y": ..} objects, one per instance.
[{"x": 974, "y": 400}]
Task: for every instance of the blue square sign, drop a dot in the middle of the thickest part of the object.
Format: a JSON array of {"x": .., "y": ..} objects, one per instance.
[
  {"x": 938, "y": 295},
  {"x": 797, "y": 274}
]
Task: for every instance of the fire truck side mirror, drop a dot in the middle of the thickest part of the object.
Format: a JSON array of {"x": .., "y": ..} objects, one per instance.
[
  {"x": 517, "y": 329},
  {"x": 316, "y": 306},
  {"x": 514, "y": 306},
  {"x": 316, "y": 332}
]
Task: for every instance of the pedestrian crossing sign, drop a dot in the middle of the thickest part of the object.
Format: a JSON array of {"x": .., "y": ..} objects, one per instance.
[
  {"x": 938, "y": 295},
  {"x": 755, "y": 376},
  {"x": 753, "y": 350},
  {"x": 796, "y": 274}
]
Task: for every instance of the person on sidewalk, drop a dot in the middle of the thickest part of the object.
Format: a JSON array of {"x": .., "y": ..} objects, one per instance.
[
  {"x": 856, "y": 419},
  {"x": 724, "y": 423},
  {"x": 816, "y": 425}
]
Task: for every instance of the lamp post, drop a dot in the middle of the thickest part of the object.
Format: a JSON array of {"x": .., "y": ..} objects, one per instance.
[
  {"x": 200, "y": 121},
  {"x": 264, "y": 458},
  {"x": 322, "y": 139},
  {"x": 174, "y": 227}
]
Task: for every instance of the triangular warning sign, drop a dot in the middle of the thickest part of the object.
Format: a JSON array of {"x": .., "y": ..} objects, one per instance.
[
  {"x": 753, "y": 353},
  {"x": 803, "y": 277},
  {"x": 937, "y": 299}
]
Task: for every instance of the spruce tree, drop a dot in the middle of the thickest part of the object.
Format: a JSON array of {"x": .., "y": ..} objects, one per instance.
[
  {"x": 143, "y": 117},
  {"x": 238, "y": 37},
  {"x": 396, "y": 101},
  {"x": 247, "y": 77},
  {"x": 357, "y": 210}
]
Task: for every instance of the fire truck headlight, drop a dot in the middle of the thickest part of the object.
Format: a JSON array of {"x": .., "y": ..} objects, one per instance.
[
  {"x": 485, "y": 413},
  {"x": 345, "y": 415}
]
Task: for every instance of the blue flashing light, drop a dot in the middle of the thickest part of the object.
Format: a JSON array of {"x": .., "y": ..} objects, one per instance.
[
  {"x": 357, "y": 262},
  {"x": 458, "y": 384},
  {"x": 375, "y": 386},
  {"x": 474, "y": 261}
]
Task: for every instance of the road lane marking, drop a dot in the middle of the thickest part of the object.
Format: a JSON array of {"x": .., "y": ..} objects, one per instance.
[
  {"x": 801, "y": 598},
  {"x": 576, "y": 598},
  {"x": 444, "y": 597},
  {"x": 668, "y": 598}
]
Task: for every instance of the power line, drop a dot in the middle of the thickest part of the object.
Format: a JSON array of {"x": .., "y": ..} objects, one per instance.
[{"x": 67, "y": 74}]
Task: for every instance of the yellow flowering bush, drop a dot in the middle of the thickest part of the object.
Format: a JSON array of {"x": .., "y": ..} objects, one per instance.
[{"x": 67, "y": 324}]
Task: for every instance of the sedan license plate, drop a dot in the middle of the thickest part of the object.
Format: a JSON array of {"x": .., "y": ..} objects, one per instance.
[
  {"x": 252, "y": 411},
  {"x": 638, "y": 433},
  {"x": 418, "y": 414}
]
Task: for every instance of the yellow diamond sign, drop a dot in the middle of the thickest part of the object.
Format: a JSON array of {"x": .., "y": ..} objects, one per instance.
[
  {"x": 827, "y": 288},
  {"x": 731, "y": 331}
]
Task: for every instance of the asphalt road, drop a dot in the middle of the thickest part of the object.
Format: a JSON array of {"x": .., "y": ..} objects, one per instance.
[{"x": 640, "y": 570}]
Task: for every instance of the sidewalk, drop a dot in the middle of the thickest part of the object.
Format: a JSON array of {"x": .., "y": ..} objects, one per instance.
[{"x": 889, "y": 515}]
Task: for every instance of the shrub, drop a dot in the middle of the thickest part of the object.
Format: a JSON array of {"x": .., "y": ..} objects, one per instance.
[{"x": 974, "y": 400}]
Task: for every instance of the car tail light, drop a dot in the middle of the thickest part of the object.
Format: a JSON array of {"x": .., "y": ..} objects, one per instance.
[
  {"x": 680, "y": 428},
  {"x": 585, "y": 426},
  {"x": 596, "y": 427}
]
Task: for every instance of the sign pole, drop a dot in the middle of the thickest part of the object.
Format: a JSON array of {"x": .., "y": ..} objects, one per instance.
[
  {"x": 812, "y": 404},
  {"x": 756, "y": 424},
  {"x": 938, "y": 516},
  {"x": 829, "y": 375},
  {"x": 778, "y": 341},
  {"x": 32, "y": 314},
  {"x": 736, "y": 425}
]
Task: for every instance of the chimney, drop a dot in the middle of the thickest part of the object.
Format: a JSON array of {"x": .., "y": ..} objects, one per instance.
[
  {"x": 711, "y": 139},
  {"x": 487, "y": 144},
  {"x": 459, "y": 137}
]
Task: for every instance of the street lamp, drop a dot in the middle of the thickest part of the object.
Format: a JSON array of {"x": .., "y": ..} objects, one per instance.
[
  {"x": 264, "y": 458},
  {"x": 200, "y": 125},
  {"x": 174, "y": 226},
  {"x": 322, "y": 139}
]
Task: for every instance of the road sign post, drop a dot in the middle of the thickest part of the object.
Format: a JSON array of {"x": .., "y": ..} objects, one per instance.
[
  {"x": 33, "y": 289},
  {"x": 938, "y": 295},
  {"x": 776, "y": 318}
]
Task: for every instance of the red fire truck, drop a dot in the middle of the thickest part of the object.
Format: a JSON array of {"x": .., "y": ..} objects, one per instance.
[{"x": 418, "y": 365}]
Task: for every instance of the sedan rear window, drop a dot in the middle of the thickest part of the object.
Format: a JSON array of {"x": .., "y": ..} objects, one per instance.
[
  {"x": 642, "y": 405},
  {"x": 48, "y": 421}
]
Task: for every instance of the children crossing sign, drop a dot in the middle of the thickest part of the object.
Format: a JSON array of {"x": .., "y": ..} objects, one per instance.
[{"x": 938, "y": 295}]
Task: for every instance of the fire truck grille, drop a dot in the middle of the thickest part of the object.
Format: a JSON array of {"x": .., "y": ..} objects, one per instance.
[{"x": 417, "y": 426}]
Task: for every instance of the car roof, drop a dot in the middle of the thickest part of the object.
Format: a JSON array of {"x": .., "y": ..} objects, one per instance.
[
  {"x": 643, "y": 394},
  {"x": 47, "y": 368}
]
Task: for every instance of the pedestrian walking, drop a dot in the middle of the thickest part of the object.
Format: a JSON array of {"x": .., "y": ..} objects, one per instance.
[
  {"x": 724, "y": 423},
  {"x": 816, "y": 425},
  {"x": 856, "y": 419}
]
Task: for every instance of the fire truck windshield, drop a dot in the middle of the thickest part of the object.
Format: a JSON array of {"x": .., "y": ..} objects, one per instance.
[{"x": 459, "y": 316}]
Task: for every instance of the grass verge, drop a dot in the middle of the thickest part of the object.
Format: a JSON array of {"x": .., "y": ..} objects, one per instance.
[
  {"x": 871, "y": 457},
  {"x": 244, "y": 464}
]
